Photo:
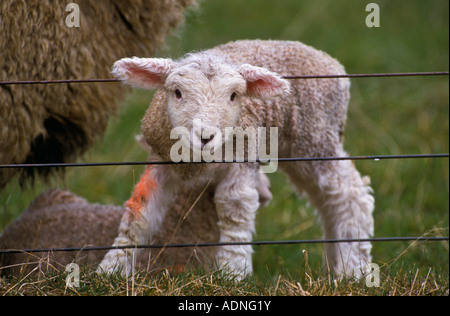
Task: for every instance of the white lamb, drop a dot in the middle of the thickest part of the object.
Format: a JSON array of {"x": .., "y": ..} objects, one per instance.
[{"x": 239, "y": 85}]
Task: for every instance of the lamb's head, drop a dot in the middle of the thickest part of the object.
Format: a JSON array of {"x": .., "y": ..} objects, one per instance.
[{"x": 201, "y": 90}]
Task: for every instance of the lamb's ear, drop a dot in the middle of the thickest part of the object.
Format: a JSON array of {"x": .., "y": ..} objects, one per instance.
[
  {"x": 263, "y": 83},
  {"x": 147, "y": 73}
]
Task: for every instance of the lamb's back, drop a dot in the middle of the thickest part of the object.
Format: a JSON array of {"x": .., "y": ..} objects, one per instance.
[{"x": 314, "y": 106}]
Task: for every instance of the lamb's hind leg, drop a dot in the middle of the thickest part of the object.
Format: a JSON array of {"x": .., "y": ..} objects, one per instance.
[
  {"x": 345, "y": 204},
  {"x": 145, "y": 213}
]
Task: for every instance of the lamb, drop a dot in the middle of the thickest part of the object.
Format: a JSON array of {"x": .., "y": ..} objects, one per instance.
[
  {"x": 58, "y": 123},
  {"x": 61, "y": 219},
  {"x": 239, "y": 85}
]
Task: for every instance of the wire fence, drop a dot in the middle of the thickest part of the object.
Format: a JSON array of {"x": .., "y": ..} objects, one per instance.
[
  {"x": 218, "y": 244},
  {"x": 169, "y": 162},
  {"x": 371, "y": 75},
  {"x": 292, "y": 159}
]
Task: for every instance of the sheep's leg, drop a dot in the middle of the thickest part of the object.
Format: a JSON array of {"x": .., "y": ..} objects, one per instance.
[
  {"x": 145, "y": 213},
  {"x": 345, "y": 204},
  {"x": 236, "y": 200}
]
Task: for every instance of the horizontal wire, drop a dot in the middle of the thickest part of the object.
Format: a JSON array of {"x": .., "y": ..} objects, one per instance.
[
  {"x": 372, "y": 75},
  {"x": 391, "y": 74},
  {"x": 28, "y": 82},
  {"x": 254, "y": 243},
  {"x": 218, "y": 244},
  {"x": 138, "y": 163}
]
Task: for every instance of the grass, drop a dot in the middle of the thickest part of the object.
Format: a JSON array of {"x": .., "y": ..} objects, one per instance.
[
  {"x": 386, "y": 116},
  {"x": 197, "y": 283}
]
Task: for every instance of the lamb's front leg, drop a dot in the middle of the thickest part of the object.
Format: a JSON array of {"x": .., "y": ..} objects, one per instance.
[
  {"x": 145, "y": 212},
  {"x": 236, "y": 199}
]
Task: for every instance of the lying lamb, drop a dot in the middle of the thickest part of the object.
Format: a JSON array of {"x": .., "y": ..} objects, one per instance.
[
  {"x": 239, "y": 85},
  {"x": 60, "y": 219}
]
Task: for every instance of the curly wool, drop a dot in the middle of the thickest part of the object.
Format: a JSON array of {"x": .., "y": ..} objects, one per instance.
[
  {"x": 57, "y": 123},
  {"x": 60, "y": 219},
  {"x": 310, "y": 119}
]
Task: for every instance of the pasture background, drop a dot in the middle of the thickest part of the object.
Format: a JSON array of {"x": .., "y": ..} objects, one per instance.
[{"x": 386, "y": 116}]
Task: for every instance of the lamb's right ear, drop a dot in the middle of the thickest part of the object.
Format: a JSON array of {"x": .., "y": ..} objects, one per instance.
[{"x": 147, "y": 73}]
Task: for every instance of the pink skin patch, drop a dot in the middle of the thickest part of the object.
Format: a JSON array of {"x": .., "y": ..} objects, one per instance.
[{"x": 141, "y": 193}]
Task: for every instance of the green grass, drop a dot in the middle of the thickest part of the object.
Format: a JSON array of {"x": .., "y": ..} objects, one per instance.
[
  {"x": 309, "y": 282},
  {"x": 386, "y": 116}
]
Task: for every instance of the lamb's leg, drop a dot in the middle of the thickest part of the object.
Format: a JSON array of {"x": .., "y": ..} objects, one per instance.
[
  {"x": 236, "y": 200},
  {"x": 145, "y": 213},
  {"x": 345, "y": 204}
]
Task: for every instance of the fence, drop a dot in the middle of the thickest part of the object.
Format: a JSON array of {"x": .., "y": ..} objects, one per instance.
[{"x": 254, "y": 243}]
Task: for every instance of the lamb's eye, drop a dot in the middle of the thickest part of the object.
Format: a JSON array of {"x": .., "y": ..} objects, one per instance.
[
  {"x": 233, "y": 96},
  {"x": 178, "y": 94}
]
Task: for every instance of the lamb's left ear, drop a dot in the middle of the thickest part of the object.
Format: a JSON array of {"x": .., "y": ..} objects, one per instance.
[
  {"x": 147, "y": 73},
  {"x": 263, "y": 83}
]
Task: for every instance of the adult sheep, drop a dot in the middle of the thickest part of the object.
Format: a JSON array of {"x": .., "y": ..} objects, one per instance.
[
  {"x": 57, "y": 123},
  {"x": 238, "y": 85}
]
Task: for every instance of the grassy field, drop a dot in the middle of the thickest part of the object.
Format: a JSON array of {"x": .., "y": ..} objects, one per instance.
[
  {"x": 386, "y": 116},
  {"x": 195, "y": 283}
]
